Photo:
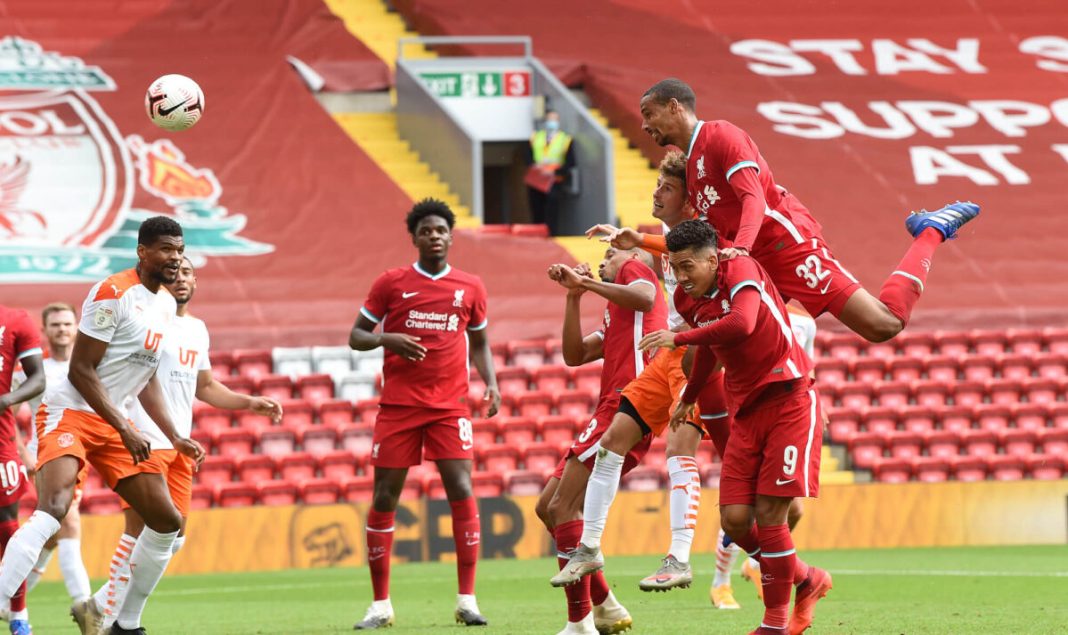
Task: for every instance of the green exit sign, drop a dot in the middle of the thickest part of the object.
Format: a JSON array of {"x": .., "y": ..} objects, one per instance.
[{"x": 508, "y": 84}]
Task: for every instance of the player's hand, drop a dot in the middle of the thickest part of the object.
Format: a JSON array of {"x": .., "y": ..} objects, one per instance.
[
  {"x": 267, "y": 407},
  {"x": 583, "y": 269},
  {"x": 190, "y": 448},
  {"x": 617, "y": 237},
  {"x": 407, "y": 346},
  {"x": 566, "y": 277},
  {"x": 492, "y": 401},
  {"x": 732, "y": 252},
  {"x": 683, "y": 413},
  {"x": 658, "y": 339},
  {"x": 136, "y": 443}
]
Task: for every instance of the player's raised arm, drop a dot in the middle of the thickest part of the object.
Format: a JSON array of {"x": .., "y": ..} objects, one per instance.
[
  {"x": 577, "y": 350},
  {"x": 33, "y": 385},
  {"x": 215, "y": 393},
  {"x": 635, "y": 295}
]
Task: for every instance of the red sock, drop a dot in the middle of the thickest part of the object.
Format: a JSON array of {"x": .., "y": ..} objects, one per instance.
[
  {"x": 902, "y": 289},
  {"x": 7, "y": 530},
  {"x": 598, "y": 588},
  {"x": 467, "y": 534},
  {"x": 379, "y": 548},
  {"x": 567, "y": 537},
  {"x": 777, "y": 573},
  {"x": 750, "y": 543}
]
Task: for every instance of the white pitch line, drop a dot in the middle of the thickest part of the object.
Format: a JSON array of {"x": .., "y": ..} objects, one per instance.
[
  {"x": 935, "y": 573},
  {"x": 210, "y": 590}
]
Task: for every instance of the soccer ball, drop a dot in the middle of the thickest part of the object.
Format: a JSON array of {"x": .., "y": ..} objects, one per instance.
[{"x": 174, "y": 102}]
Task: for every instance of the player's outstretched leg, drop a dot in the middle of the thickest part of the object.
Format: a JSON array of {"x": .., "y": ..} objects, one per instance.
[
  {"x": 721, "y": 593},
  {"x": 387, "y": 489}
]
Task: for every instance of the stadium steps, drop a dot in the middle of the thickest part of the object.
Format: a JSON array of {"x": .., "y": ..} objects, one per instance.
[
  {"x": 378, "y": 28},
  {"x": 377, "y": 135}
]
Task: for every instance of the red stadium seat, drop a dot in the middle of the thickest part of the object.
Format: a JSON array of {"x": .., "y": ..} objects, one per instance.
[
  {"x": 509, "y": 406},
  {"x": 844, "y": 423},
  {"x": 1056, "y": 339},
  {"x": 989, "y": 342},
  {"x": 1045, "y": 467},
  {"x": 1025, "y": 341},
  {"x": 588, "y": 378},
  {"x": 235, "y": 442},
  {"x": 883, "y": 350},
  {"x": 100, "y": 502},
  {"x": 1058, "y": 415},
  {"x": 531, "y": 230},
  {"x": 316, "y": 388},
  {"x": 243, "y": 384},
  {"x": 211, "y": 419},
  {"x": 318, "y": 440},
  {"x": 277, "y": 493},
  {"x": 943, "y": 368},
  {"x": 866, "y": 448},
  {"x": 706, "y": 452},
  {"x": 485, "y": 432},
  {"x": 554, "y": 379},
  {"x": 657, "y": 454},
  {"x": 222, "y": 364},
  {"x": 979, "y": 442},
  {"x": 278, "y": 440},
  {"x": 979, "y": 368},
  {"x": 993, "y": 417},
  {"x": 414, "y": 489},
  {"x": 499, "y": 351},
  {"x": 1030, "y": 416},
  {"x": 828, "y": 396},
  {"x": 1017, "y": 442},
  {"x": 919, "y": 419},
  {"x": 524, "y": 483},
  {"x": 1016, "y": 366},
  {"x": 236, "y": 495},
  {"x": 487, "y": 484},
  {"x": 643, "y": 479},
  {"x": 916, "y": 345},
  {"x": 253, "y": 363},
  {"x": 968, "y": 468},
  {"x": 528, "y": 354},
  {"x": 535, "y": 404},
  {"x": 1006, "y": 467},
  {"x": 1042, "y": 390},
  {"x": 513, "y": 380},
  {"x": 339, "y": 465},
  {"x": 942, "y": 443},
  {"x": 906, "y": 369},
  {"x": 320, "y": 491},
  {"x": 336, "y": 412},
  {"x": 1005, "y": 391},
  {"x": 297, "y": 466},
  {"x": 356, "y": 438},
  {"x": 501, "y": 458},
  {"x": 1053, "y": 441},
  {"x": 554, "y": 352},
  {"x": 931, "y": 393},
  {"x": 541, "y": 457},
  {"x": 297, "y": 413},
  {"x": 869, "y": 369},
  {"x": 969, "y": 393},
  {"x": 255, "y": 468},
  {"x": 575, "y": 403},
  {"x": 1052, "y": 365},
  {"x": 931, "y": 469},
  {"x": 93, "y": 480},
  {"x": 252, "y": 422},
  {"x": 954, "y": 343},
  {"x": 880, "y": 420},
  {"x": 518, "y": 431},
  {"x": 956, "y": 418},
  {"x": 856, "y": 396},
  {"x": 710, "y": 475},
  {"x": 434, "y": 487},
  {"x": 905, "y": 444},
  {"x": 893, "y": 394},
  {"x": 367, "y": 410},
  {"x": 832, "y": 371},
  {"x": 359, "y": 489},
  {"x": 892, "y": 470},
  {"x": 275, "y": 386},
  {"x": 557, "y": 430},
  {"x": 844, "y": 345},
  {"x": 203, "y": 496},
  {"x": 206, "y": 438},
  {"x": 215, "y": 470}
]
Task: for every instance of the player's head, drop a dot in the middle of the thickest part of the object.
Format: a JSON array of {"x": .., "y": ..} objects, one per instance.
[
  {"x": 667, "y": 108},
  {"x": 159, "y": 248},
  {"x": 615, "y": 258},
  {"x": 60, "y": 323},
  {"x": 670, "y": 204},
  {"x": 693, "y": 256},
  {"x": 430, "y": 223},
  {"x": 185, "y": 283}
]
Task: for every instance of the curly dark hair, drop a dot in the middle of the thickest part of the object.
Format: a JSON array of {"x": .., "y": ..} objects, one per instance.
[
  {"x": 671, "y": 88},
  {"x": 157, "y": 226},
  {"x": 694, "y": 234},
  {"x": 429, "y": 207}
]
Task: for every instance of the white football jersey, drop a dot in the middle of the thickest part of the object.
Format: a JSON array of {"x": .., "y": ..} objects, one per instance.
[
  {"x": 55, "y": 372},
  {"x": 185, "y": 354},
  {"x": 804, "y": 328},
  {"x": 134, "y": 322},
  {"x": 670, "y": 283}
]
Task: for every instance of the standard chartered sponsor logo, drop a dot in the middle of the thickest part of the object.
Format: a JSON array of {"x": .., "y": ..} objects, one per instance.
[{"x": 431, "y": 321}]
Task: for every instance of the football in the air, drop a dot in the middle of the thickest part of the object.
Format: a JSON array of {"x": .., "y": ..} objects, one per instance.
[{"x": 174, "y": 102}]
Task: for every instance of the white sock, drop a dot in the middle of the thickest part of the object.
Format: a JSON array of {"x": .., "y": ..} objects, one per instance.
[
  {"x": 118, "y": 579},
  {"x": 725, "y": 557},
  {"x": 178, "y": 542},
  {"x": 23, "y": 615},
  {"x": 600, "y": 492},
  {"x": 38, "y": 569},
  {"x": 147, "y": 564},
  {"x": 683, "y": 502},
  {"x": 23, "y": 550},
  {"x": 74, "y": 573},
  {"x": 752, "y": 562}
]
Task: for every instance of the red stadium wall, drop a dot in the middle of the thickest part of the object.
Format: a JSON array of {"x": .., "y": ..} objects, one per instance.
[{"x": 759, "y": 66}]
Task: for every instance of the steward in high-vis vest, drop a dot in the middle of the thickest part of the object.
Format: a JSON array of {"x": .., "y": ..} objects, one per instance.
[{"x": 551, "y": 160}]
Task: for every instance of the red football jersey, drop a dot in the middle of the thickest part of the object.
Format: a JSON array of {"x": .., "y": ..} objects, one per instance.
[
  {"x": 440, "y": 309},
  {"x": 18, "y": 339},
  {"x": 717, "y": 151},
  {"x": 623, "y": 329},
  {"x": 770, "y": 353}
]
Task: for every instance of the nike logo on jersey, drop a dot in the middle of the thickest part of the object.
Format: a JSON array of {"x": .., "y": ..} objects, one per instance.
[
  {"x": 166, "y": 111},
  {"x": 779, "y": 481},
  {"x": 408, "y": 295}
]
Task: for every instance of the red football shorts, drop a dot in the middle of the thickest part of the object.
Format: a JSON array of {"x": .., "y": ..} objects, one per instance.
[
  {"x": 13, "y": 482},
  {"x": 714, "y": 413},
  {"x": 85, "y": 436},
  {"x": 808, "y": 272},
  {"x": 774, "y": 447},
  {"x": 177, "y": 469},
  {"x": 402, "y": 433},
  {"x": 585, "y": 446}
]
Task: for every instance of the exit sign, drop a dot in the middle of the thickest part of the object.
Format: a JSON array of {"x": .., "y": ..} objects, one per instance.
[{"x": 472, "y": 84}]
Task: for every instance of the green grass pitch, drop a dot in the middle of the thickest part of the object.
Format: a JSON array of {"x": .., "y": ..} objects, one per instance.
[{"x": 1017, "y": 590}]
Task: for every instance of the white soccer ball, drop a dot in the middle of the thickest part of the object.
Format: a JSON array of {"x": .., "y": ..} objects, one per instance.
[{"x": 174, "y": 102}]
